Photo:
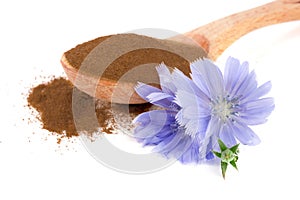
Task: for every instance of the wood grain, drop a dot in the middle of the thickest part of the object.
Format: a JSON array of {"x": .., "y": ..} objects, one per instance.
[{"x": 215, "y": 37}]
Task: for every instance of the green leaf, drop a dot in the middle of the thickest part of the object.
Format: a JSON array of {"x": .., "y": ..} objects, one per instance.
[
  {"x": 224, "y": 168},
  {"x": 222, "y": 145},
  {"x": 235, "y": 148},
  {"x": 233, "y": 163},
  {"x": 218, "y": 154}
]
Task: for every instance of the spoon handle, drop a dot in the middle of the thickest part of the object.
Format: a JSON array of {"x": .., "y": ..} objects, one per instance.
[{"x": 215, "y": 37}]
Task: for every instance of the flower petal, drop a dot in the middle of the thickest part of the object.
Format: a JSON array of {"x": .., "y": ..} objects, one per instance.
[
  {"x": 194, "y": 113},
  {"x": 182, "y": 82},
  {"x": 256, "y": 112},
  {"x": 157, "y": 117},
  {"x": 186, "y": 99},
  {"x": 164, "y": 98},
  {"x": 259, "y": 92},
  {"x": 248, "y": 86},
  {"x": 257, "y": 106},
  {"x": 166, "y": 146},
  {"x": 152, "y": 123},
  {"x": 244, "y": 134},
  {"x": 144, "y": 90},
  {"x": 214, "y": 128},
  {"x": 212, "y": 145},
  {"x": 200, "y": 82},
  {"x": 240, "y": 80},
  {"x": 226, "y": 135},
  {"x": 176, "y": 147},
  {"x": 166, "y": 80},
  {"x": 191, "y": 154},
  {"x": 211, "y": 75},
  {"x": 165, "y": 134},
  {"x": 154, "y": 95},
  {"x": 231, "y": 72}
]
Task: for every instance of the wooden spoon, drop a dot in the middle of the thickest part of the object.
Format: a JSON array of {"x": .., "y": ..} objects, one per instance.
[{"x": 91, "y": 66}]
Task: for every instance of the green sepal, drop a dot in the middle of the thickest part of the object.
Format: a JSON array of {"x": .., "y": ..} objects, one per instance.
[
  {"x": 222, "y": 145},
  {"x": 218, "y": 154},
  {"x": 235, "y": 148},
  {"x": 224, "y": 168},
  {"x": 233, "y": 163}
]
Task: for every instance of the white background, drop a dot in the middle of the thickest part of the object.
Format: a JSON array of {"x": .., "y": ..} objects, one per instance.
[{"x": 33, "y": 36}]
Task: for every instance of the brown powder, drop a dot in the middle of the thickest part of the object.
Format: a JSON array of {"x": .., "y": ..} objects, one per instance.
[
  {"x": 172, "y": 53},
  {"x": 76, "y": 55},
  {"x": 53, "y": 101}
]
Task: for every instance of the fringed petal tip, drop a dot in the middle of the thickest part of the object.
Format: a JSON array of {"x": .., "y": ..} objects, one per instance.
[{"x": 162, "y": 68}]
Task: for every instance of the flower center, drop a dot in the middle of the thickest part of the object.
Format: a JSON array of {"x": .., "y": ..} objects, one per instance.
[
  {"x": 228, "y": 156},
  {"x": 224, "y": 108}
]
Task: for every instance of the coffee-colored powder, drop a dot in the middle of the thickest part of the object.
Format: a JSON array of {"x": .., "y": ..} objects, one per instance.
[
  {"x": 169, "y": 52},
  {"x": 53, "y": 101},
  {"x": 76, "y": 55}
]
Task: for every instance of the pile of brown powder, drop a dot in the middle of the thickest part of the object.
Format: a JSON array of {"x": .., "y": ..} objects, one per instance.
[{"x": 53, "y": 101}]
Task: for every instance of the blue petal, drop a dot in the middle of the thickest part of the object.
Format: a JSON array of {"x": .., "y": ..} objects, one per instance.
[
  {"x": 200, "y": 82},
  {"x": 175, "y": 147},
  {"x": 165, "y": 134},
  {"x": 212, "y": 145},
  {"x": 226, "y": 135},
  {"x": 157, "y": 117},
  {"x": 191, "y": 155},
  {"x": 165, "y": 147},
  {"x": 256, "y": 112},
  {"x": 148, "y": 137},
  {"x": 257, "y": 106},
  {"x": 259, "y": 92},
  {"x": 146, "y": 91},
  {"x": 235, "y": 76},
  {"x": 152, "y": 123},
  {"x": 231, "y": 72},
  {"x": 160, "y": 98},
  {"x": 186, "y": 99},
  {"x": 244, "y": 72},
  {"x": 183, "y": 146},
  {"x": 182, "y": 82},
  {"x": 252, "y": 119},
  {"x": 194, "y": 113},
  {"x": 211, "y": 75},
  {"x": 209, "y": 155},
  {"x": 244, "y": 134},
  {"x": 213, "y": 129},
  {"x": 149, "y": 131},
  {"x": 166, "y": 80},
  {"x": 248, "y": 86}
]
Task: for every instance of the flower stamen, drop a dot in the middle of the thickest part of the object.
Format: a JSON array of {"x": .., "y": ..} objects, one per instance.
[{"x": 224, "y": 108}]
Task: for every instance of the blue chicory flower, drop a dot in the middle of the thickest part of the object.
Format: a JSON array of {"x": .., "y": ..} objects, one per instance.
[{"x": 197, "y": 112}]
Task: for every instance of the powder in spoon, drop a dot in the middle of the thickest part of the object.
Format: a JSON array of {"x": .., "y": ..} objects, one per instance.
[{"x": 151, "y": 51}]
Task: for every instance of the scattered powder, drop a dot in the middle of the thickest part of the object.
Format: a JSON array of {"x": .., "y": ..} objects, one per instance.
[{"x": 53, "y": 101}]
